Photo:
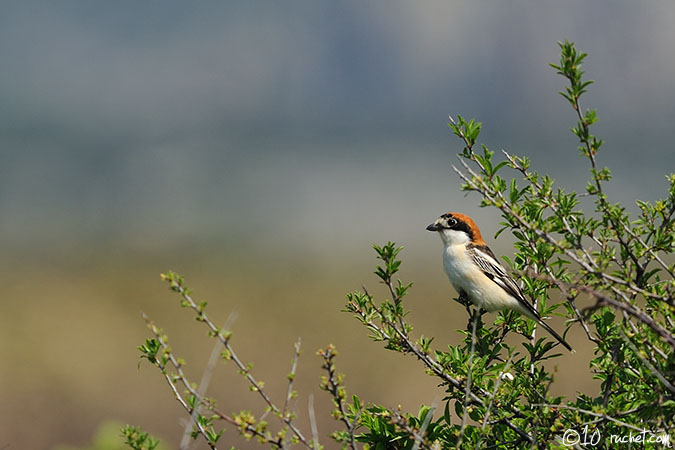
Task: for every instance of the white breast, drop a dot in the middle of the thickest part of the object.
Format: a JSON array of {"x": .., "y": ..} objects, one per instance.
[{"x": 466, "y": 276}]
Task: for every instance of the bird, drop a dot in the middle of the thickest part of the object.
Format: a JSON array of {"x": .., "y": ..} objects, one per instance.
[{"x": 476, "y": 274}]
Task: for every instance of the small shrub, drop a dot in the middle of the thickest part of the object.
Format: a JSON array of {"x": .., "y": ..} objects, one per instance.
[{"x": 499, "y": 395}]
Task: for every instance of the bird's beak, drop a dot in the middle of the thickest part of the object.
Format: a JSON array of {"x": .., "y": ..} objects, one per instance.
[{"x": 433, "y": 227}]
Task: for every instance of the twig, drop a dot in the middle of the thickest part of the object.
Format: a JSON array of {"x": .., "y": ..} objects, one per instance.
[
  {"x": 419, "y": 438},
  {"x": 666, "y": 220},
  {"x": 504, "y": 206},
  {"x": 331, "y": 384},
  {"x": 570, "y": 300},
  {"x": 625, "y": 306},
  {"x": 635, "y": 330},
  {"x": 467, "y": 389},
  {"x": 603, "y": 300},
  {"x": 186, "y": 442},
  {"x": 243, "y": 368},
  {"x": 655, "y": 256},
  {"x": 533, "y": 338},
  {"x": 434, "y": 366},
  {"x": 591, "y": 151},
  {"x": 649, "y": 365},
  {"x": 312, "y": 421},
  {"x": 180, "y": 376},
  {"x": 621, "y": 414},
  {"x": 488, "y": 409},
  {"x": 568, "y": 228},
  {"x": 590, "y": 413},
  {"x": 291, "y": 377}
]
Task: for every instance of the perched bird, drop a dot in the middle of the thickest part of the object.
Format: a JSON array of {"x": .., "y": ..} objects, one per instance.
[{"x": 475, "y": 272}]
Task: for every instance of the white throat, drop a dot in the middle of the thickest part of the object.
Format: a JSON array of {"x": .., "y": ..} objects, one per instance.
[{"x": 454, "y": 237}]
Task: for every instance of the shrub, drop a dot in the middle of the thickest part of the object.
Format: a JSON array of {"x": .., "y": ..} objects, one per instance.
[{"x": 498, "y": 395}]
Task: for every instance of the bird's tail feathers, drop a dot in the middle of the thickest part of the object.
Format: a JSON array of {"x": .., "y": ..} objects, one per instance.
[{"x": 555, "y": 335}]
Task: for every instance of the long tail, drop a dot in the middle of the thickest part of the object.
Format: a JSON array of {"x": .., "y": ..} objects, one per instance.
[
  {"x": 554, "y": 334},
  {"x": 526, "y": 308}
]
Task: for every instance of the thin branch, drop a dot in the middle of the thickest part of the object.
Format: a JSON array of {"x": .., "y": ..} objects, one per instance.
[
  {"x": 590, "y": 413},
  {"x": 187, "y": 408},
  {"x": 488, "y": 410},
  {"x": 331, "y": 384},
  {"x": 649, "y": 250},
  {"x": 651, "y": 346},
  {"x": 625, "y": 305},
  {"x": 568, "y": 296},
  {"x": 419, "y": 438},
  {"x": 244, "y": 369},
  {"x": 291, "y": 378},
  {"x": 467, "y": 388},
  {"x": 504, "y": 206},
  {"x": 621, "y": 414},
  {"x": 432, "y": 364},
  {"x": 603, "y": 300},
  {"x": 604, "y": 205},
  {"x": 568, "y": 228},
  {"x": 186, "y": 441},
  {"x": 312, "y": 421},
  {"x": 180, "y": 376},
  {"x": 649, "y": 365},
  {"x": 666, "y": 220}
]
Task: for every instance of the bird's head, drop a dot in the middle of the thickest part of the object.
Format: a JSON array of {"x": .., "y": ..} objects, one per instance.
[{"x": 456, "y": 229}]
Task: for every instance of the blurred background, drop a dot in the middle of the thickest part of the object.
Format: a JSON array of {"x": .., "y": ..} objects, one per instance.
[{"x": 260, "y": 149}]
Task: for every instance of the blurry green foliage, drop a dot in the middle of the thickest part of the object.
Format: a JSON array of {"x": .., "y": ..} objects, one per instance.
[{"x": 107, "y": 437}]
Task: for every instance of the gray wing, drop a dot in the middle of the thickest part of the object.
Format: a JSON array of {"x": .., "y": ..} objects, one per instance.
[{"x": 486, "y": 260}]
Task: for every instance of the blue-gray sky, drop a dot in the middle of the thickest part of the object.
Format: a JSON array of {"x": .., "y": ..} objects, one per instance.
[{"x": 321, "y": 121}]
